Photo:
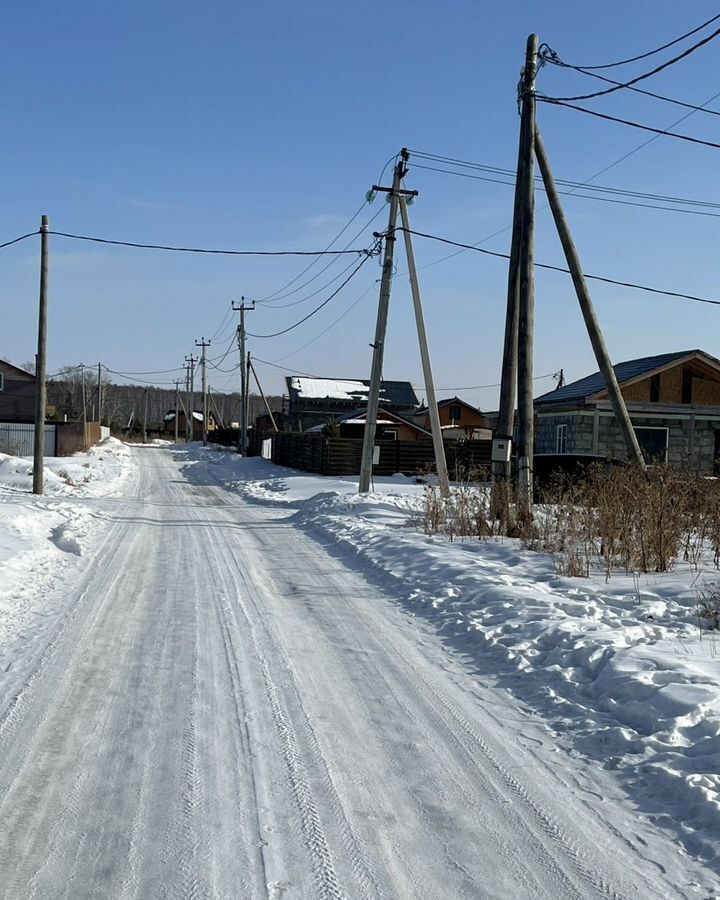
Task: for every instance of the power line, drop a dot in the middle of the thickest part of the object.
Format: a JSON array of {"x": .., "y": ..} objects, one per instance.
[
  {"x": 637, "y": 90},
  {"x": 549, "y": 55},
  {"x": 97, "y": 240},
  {"x": 632, "y": 59},
  {"x": 576, "y": 186},
  {"x": 310, "y": 265},
  {"x": 273, "y": 303},
  {"x": 331, "y": 325},
  {"x": 606, "y": 280},
  {"x": 18, "y": 239},
  {"x": 152, "y": 372},
  {"x": 323, "y": 304},
  {"x": 591, "y": 112},
  {"x": 497, "y": 170}
]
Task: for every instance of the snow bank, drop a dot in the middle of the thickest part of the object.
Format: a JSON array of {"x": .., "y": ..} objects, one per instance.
[
  {"x": 41, "y": 537},
  {"x": 621, "y": 671}
]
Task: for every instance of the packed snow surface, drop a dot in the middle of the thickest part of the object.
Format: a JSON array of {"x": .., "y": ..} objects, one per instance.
[{"x": 246, "y": 682}]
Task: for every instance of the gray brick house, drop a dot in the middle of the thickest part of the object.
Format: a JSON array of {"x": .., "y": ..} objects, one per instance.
[{"x": 674, "y": 404}]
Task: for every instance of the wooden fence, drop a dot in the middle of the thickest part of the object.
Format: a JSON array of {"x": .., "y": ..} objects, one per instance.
[{"x": 341, "y": 456}]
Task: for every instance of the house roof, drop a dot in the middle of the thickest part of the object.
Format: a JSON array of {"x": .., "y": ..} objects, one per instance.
[
  {"x": 625, "y": 371},
  {"x": 384, "y": 417},
  {"x": 393, "y": 393},
  {"x": 6, "y": 365},
  {"x": 450, "y": 400}
]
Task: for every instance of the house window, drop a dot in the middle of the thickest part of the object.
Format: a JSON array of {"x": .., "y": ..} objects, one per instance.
[
  {"x": 389, "y": 434},
  {"x": 655, "y": 389},
  {"x": 455, "y": 413},
  {"x": 561, "y": 439},
  {"x": 687, "y": 380},
  {"x": 2, "y": 381},
  {"x": 653, "y": 443}
]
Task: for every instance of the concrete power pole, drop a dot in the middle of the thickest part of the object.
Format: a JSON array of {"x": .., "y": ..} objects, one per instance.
[
  {"x": 526, "y": 306},
  {"x": 602, "y": 356},
  {"x": 177, "y": 407},
  {"x": 84, "y": 406},
  {"x": 99, "y": 394},
  {"x": 244, "y": 386},
  {"x": 380, "y": 331},
  {"x": 438, "y": 446},
  {"x": 203, "y": 344},
  {"x": 41, "y": 362},
  {"x": 189, "y": 412}
]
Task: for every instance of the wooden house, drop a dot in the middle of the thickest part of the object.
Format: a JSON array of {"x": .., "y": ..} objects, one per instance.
[
  {"x": 674, "y": 404},
  {"x": 17, "y": 394},
  {"x": 389, "y": 426},
  {"x": 197, "y": 423},
  {"x": 458, "y": 420}
]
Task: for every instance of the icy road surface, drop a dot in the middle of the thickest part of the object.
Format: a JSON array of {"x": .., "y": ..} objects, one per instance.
[{"x": 226, "y": 709}]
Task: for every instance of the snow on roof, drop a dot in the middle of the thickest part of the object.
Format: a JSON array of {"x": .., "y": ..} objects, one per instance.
[
  {"x": 361, "y": 421},
  {"x": 330, "y": 388}
]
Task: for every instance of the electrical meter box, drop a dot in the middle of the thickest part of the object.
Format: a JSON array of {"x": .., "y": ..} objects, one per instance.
[{"x": 501, "y": 448}]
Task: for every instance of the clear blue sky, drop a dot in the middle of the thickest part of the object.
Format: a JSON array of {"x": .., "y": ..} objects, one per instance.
[{"x": 261, "y": 126}]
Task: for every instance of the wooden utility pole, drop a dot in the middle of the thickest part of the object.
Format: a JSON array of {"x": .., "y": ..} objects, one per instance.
[
  {"x": 244, "y": 388},
  {"x": 380, "y": 330},
  {"x": 84, "y": 405},
  {"x": 99, "y": 394},
  {"x": 215, "y": 407},
  {"x": 189, "y": 377},
  {"x": 264, "y": 399},
  {"x": 246, "y": 407},
  {"x": 526, "y": 297},
  {"x": 502, "y": 442},
  {"x": 203, "y": 344},
  {"x": 145, "y": 414},
  {"x": 41, "y": 362},
  {"x": 602, "y": 356},
  {"x": 177, "y": 407},
  {"x": 438, "y": 446},
  {"x": 189, "y": 414}
]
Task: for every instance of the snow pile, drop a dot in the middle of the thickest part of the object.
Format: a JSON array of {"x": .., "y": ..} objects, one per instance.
[
  {"x": 621, "y": 670},
  {"x": 41, "y": 537}
]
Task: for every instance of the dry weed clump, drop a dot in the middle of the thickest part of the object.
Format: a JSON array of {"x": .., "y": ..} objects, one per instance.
[{"x": 620, "y": 518}]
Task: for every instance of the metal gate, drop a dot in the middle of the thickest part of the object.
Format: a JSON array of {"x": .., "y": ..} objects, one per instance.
[{"x": 17, "y": 439}]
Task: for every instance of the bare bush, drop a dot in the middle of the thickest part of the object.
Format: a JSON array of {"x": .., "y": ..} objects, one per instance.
[{"x": 619, "y": 518}]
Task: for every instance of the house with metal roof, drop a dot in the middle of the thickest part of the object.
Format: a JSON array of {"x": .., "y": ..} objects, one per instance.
[
  {"x": 673, "y": 400},
  {"x": 316, "y": 401}
]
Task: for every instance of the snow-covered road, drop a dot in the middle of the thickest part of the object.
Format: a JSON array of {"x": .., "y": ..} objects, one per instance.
[{"x": 228, "y": 709}]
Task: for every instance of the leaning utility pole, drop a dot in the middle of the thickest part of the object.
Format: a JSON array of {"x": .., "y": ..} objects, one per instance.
[
  {"x": 586, "y": 305},
  {"x": 204, "y": 344},
  {"x": 438, "y": 446},
  {"x": 177, "y": 407},
  {"x": 246, "y": 407},
  {"x": 380, "y": 330},
  {"x": 189, "y": 413},
  {"x": 526, "y": 305},
  {"x": 244, "y": 387},
  {"x": 262, "y": 394},
  {"x": 41, "y": 363}
]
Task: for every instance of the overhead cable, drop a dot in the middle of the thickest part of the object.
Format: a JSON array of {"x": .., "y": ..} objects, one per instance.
[
  {"x": 549, "y": 55},
  {"x": 97, "y": 240},
  {"x": 18, "y": 239},
  {"x": 317, "y": 308},
  {"x": 632, "y": 59},
  {"x": 659, "y": 131},
  {"x": 606, "y": 280}
]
